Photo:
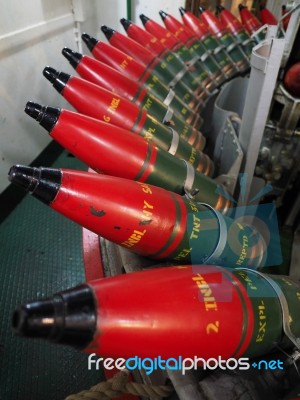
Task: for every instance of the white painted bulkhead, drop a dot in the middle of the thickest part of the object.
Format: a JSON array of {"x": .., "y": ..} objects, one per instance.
[{"x": 32, "y": 35}]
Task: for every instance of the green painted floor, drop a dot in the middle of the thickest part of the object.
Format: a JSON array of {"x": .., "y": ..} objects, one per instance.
[{"x": 41, "y": 253}]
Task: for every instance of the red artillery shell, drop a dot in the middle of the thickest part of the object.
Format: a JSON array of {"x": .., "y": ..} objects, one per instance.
[
  {"x": 110, "y": 79},
  {"x": 115, "y": 151},
  {"x": 195, "y": 77},
  {"x": 267, "y": 17},
  {"x": 220, "y": 315},
  {"x": 237, "y": 29},
  {"x": 226, "y": 37},
  {"x": 213, "y": 318},
  {"x": 154, "y": 64},
  {"x": 211, "y": 42},
  {"x": 189, "y": 232},
  {"x": 191, "y": 40},
  {"x": 230, "y": 21},
  {"x": 125, "y": 64},
  {"x": 165, "y": 37},
  {"x": 250, "y": 22},
  {"x": 96, "y": 102}
]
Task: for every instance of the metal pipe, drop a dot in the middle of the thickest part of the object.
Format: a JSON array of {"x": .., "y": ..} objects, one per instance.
[{"x": 129, "y": 9}]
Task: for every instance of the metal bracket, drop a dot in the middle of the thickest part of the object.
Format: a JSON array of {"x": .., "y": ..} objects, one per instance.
[
  {"x": 222, "y": 241},
  {"x": 189, "y": 180},
  {"x": 175, "y": 141},
  {"x": 78, "y": 19},
  {"x": 265, "y": 62}
]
